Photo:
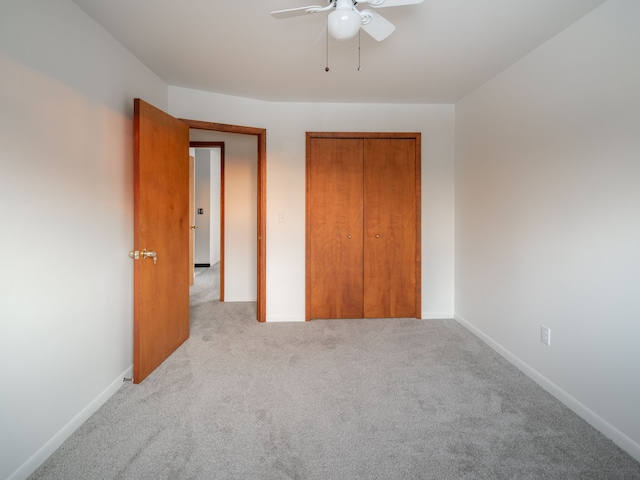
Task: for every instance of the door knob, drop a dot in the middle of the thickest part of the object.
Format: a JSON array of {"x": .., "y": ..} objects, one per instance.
[
  {"x": 193, "y": 227},
  {"x": 135, "y": 254},
  {"x": 150, "y": 254},
  {"x": 377, "y": 236}
]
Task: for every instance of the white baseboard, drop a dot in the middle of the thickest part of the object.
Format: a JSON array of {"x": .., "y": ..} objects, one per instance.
[
  {"x": 285, "y": 318},
  {"x": 611, "y": 432},
  {"x": 437, "y": 315},
  {"x": 44, "y": 452}
]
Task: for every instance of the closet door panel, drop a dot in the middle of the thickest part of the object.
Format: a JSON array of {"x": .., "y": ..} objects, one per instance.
[
  {"x": 334, "y": 228},
  {"x": 389, "y": 228}
]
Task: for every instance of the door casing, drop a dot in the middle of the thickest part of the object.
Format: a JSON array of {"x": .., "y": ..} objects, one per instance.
[{"x": 261, "y": 134}]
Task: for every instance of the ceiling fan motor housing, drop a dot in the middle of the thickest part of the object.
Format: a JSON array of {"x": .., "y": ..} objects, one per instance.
[{"x": 344, "y": 22}]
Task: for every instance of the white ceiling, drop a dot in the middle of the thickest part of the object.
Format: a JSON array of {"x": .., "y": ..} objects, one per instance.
[{"x": 441, "y": 49}]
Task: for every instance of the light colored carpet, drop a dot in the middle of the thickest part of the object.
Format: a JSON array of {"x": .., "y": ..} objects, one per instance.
[
  {"x": 206, "y": 286},
  {"x": 341, "y": 399}
]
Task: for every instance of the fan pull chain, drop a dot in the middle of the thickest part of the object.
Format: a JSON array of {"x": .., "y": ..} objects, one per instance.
[
  {"x": 326, "y": 68},
  {"x": 359, "y": 67}
]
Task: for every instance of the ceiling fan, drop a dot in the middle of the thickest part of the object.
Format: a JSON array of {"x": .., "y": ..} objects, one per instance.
[{"x": 345, "y": 20}]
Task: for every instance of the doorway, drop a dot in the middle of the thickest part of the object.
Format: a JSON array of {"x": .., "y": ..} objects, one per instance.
[
  {"x": 208, "y": 212},
  {"x": 261, "y": 140}
]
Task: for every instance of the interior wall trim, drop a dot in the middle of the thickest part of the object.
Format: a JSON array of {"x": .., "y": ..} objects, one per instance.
[{"x": 261, "y": 134}]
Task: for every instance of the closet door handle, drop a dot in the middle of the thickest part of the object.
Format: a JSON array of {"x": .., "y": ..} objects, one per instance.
[
  {"x": 377, "y": 236},
  {"x": 349, "y": 237}
]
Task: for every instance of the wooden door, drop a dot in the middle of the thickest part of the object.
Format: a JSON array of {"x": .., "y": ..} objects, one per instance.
[
  {"x": 389, "y": 228},
  {"x": 192, "y": 220},
  {"x": 161, "y": 225},
  {"x": 334, "y": 272},
  {"x": 363, "y": 225}
]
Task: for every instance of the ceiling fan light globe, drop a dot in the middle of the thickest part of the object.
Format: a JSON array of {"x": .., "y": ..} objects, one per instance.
[{"x": 344, "y": 24}]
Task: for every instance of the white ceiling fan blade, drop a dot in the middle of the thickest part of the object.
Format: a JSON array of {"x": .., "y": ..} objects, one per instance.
[
  {"x": 376, "y": 25},
  {"x": 294, "y": 12},
  {"x": 390, "y": 3}
]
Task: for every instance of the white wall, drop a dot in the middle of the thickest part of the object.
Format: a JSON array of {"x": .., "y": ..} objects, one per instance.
[
  {"x": 241, "y": 213},
  {"x": 286, "y": 124},
  {"x": 66, "y": 301},
  {"x": 548, "y": 217},
  {"x": 207, "y": 197},
  {"x": 214, "y": 207},
  {"x": 202, "y": 191}
]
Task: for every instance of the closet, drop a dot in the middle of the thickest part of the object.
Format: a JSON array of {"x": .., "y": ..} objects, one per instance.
[{"x": 363, "y": 225}]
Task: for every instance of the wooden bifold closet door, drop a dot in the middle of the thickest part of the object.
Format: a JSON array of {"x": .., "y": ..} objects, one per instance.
[{"x": 363, "y": 225}]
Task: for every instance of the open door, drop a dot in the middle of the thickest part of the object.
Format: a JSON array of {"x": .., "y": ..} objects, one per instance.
[{"x": 161, "y": 237}]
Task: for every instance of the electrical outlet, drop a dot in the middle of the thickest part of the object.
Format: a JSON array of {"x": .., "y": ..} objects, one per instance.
[{"x": 545, "y": 335}]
